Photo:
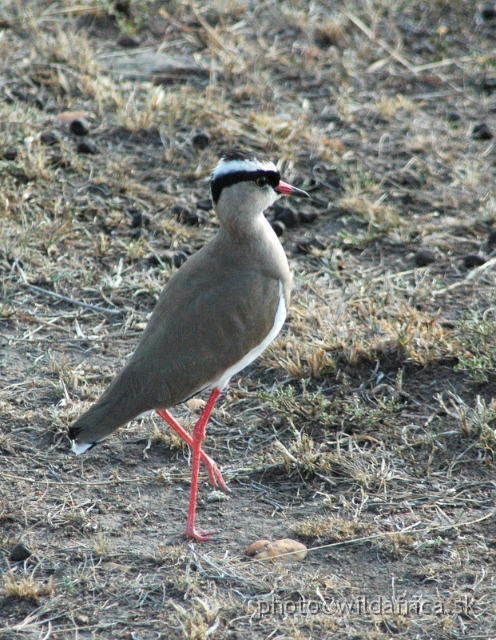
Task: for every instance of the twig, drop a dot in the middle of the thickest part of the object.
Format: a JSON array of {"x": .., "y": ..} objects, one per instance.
[
  {"x": 471, "y": 276},
  {"x": 78, "y": 303},
  {"x": 394, "y": 54},
  {"x": 444, "y": 527}
]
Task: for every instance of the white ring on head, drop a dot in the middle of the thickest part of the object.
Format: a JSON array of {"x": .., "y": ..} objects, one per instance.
[{"x": 233, "y": 166}]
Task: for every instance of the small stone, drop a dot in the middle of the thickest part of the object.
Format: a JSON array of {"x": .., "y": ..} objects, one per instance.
[
  {"x": 205, "y": 205},
  {"x": 123, "y": 6},
  {"x": 163, "y": 187},
  {"x": 49, "y": 138},
  {"x": 19, "y": 553},
  {"x": 200, "y": 140},
  {"x": 482, "y": 132},
  {"x": 488, "y": 12},
  {"x": 87, "y": 147},
  {"x": 187, "y": 249},
  {"x": 129, "y": 42},
  {"x": 79, "y": 127},
  {"x": 473, "y": 260},
  {"x": 139, "y": 220},
  {"x": 423, "y": 258},
  {"x": 453, "y": 116},
  {"x": 279, "y": 227},
  {"x": 186, "y": 216},
  {"x": 487, "y": 84},
  {"x": 287, "y": 216},
  {"x": 307, "y": 217},
  {"x": 10, "y": 153},
  {"x": 285, "y": 550}
]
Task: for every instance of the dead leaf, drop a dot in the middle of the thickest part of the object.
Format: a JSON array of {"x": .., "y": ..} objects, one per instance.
[{"x": 285, "y": 550}]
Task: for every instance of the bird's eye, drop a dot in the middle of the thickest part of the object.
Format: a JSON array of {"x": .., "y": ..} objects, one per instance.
[{"x": 261, "y": 182}]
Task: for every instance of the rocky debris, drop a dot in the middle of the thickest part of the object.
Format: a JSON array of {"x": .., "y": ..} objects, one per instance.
[
  {"x": 79, "y": 127},
  {"x": 87, "y": 147},
  {"x": 424, "y": 258},
  {"x": 473, "y": 260},
  {"x": 19, "y": 553},
  {"x": 200, "y": 140}
]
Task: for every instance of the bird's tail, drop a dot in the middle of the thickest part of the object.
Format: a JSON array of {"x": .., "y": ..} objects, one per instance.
[{"x": 105, "y": 416}]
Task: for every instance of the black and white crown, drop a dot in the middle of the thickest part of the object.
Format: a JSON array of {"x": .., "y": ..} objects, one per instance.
[{"x": 238, "y": 165}]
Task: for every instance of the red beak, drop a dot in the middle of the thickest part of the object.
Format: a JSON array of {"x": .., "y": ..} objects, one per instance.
[{"x": 287, "y": 190}]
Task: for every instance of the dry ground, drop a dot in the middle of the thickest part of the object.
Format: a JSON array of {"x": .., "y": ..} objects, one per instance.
[{"x": 366, "y": 431}]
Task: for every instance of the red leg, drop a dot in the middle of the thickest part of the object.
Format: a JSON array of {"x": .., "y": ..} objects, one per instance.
[
  {"x": 214, "y": 475},
  {"x": 198, "y": 437}
]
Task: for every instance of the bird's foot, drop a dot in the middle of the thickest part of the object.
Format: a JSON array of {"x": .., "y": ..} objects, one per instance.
[
  {"x": 198, "y": 534},
  {"x": 214, "y": 475}
]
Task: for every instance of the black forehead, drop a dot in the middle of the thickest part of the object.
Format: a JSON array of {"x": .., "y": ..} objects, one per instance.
[{"x": 227, "y": 179}]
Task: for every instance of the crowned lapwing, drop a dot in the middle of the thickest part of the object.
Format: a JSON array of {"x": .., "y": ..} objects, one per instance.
[{"x": 217, "y": 313}]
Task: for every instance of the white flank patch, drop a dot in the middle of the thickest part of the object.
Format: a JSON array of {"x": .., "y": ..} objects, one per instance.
[
  {"x": 231, "y": 166},
  {"x": 81, "y": 448},
  {"x": 256, "y": 351}
]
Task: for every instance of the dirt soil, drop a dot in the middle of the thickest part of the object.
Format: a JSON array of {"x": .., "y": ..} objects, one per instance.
[{"x": 367, "y": 430}]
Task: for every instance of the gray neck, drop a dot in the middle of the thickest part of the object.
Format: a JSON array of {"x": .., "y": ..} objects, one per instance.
[{"x": 240, "y": 211}]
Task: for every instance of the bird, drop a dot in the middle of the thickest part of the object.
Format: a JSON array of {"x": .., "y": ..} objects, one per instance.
[{"x": 215, "y": 316}]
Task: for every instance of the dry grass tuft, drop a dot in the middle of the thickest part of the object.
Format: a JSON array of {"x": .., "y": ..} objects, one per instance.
[{"x": 26, "y": 588}]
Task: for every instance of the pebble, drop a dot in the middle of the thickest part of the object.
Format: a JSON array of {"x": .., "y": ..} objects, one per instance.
[
  {"x": 129, "y": 42},
  {"x": 163, "y": 187},
  {"x": 200, "y": 140},
  {"x": 49, "y": 138},
  {"x": 87, "y": 147},
  {"x": 423, "y": 258},
  {"x": 10, "y": 153},
  {"x": 19, "y": 553},
  {"x": 139, "y": 220},
  {"x": 488, "y": 12},
  {"x": 487, "y": 84},
  {"x": 473, "y": 260},
  {"x": 79, "y": 127},
  {"x": 482, "y": 132},
  {"x": 453, "y": 116}
]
